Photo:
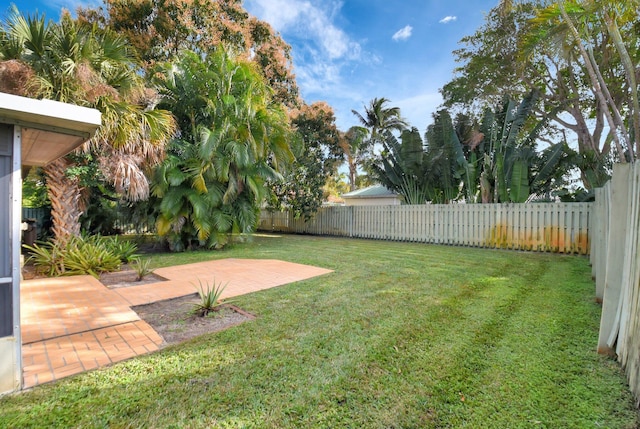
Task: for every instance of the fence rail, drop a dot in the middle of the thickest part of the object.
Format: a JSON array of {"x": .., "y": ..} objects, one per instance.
[{"x": 543, "y": 227}]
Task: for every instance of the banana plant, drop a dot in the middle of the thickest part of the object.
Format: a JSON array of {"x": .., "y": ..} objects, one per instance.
[{"x": 402, "y": 167}]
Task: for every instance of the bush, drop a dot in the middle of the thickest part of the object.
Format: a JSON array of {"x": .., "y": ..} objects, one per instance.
[
  {"x": 124, "y": 249},
  {"x": 82, "y": 255}
]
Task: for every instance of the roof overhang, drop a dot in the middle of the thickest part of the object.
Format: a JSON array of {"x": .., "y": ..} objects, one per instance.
[{"x": 50, "y": 129}]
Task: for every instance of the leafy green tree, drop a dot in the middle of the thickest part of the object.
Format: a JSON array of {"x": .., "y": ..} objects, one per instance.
[
  {"x": 579, "y": 23},
  {"x": 317, "y": 157},
  {"x": 82, "y": 64},
  {"x": 530, "y": 44},
  {"x": 233, "y": 139},
  {"x": 160, "y": 29}
]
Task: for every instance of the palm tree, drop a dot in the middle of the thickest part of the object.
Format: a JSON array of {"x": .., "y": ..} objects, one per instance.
[
  {"x": 353, "y": 144},
  {"x": 82, "y": 64},
  {"x": 378, "y": 118},
  {"x": 233, "y": 139}
]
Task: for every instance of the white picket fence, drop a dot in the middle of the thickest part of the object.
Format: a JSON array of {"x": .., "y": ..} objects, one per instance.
[
  {"x": 543, "y": 227},
  {"x": 616, "y": 265}
]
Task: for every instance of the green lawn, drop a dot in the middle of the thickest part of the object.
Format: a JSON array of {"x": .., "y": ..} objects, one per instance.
[{"x": 399, "y": 336}]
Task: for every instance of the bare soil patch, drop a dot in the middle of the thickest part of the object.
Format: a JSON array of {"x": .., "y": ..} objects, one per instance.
[
  {"x": 175, "y": 320},
  {"x": 126, "y": 278}
]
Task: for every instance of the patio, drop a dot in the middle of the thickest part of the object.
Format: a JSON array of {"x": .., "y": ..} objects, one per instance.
[{"x": 76, "y": 324}]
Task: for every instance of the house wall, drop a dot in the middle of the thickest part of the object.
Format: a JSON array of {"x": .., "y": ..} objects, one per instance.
[
  {"x": 10, "y": 193},
  {"x": 385, "y": 201}
]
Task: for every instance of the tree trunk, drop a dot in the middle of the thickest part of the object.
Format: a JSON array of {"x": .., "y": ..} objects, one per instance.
[{"x": 64, "y": 194}]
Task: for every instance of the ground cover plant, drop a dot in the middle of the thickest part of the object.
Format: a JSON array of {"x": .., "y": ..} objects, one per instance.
[{"x": 400, "y": 335}]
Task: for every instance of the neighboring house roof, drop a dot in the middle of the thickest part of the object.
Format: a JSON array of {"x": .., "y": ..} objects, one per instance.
[{"x": 376, "y": 191}]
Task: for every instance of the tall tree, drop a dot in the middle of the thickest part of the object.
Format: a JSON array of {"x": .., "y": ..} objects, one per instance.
[
  {"x": 233, "y": 139},
  {"x": 526, "y": 45},
  {"x": 579, "y": 22},
  {"x": 354, "y": 143},
  {"x": 317, "y": 157},
  {"x": 160, "y": 29},
  {"x": 378, "y": 118},
  {"x": 85, "y": 65}
]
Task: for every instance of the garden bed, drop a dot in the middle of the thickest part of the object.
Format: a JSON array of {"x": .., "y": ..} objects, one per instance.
[{"x": 175, "y": 321}]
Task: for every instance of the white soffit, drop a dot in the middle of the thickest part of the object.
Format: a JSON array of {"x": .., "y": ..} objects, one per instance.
[{"x": 50, "y": 129}]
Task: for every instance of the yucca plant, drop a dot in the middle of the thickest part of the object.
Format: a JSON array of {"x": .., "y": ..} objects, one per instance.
[
  {"x": 209, "y": 298},
  {"x": 142, "y": 268}
]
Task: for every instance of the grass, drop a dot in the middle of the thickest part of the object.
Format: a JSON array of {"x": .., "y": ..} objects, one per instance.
[{"x": 399, "y": 336}]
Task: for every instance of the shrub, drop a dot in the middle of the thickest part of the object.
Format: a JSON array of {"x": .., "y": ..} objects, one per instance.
[
  {"x": 48, "y": 258},
  {"x": 82, "y": 255},
  {"x": 124, "y": 249}
]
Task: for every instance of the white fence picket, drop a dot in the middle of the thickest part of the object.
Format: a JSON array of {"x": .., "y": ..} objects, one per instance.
[{"x": 562, "y": 227}]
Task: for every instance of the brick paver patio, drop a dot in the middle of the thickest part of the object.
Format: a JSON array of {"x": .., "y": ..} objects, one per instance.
[{"x": 75, "y": 324}]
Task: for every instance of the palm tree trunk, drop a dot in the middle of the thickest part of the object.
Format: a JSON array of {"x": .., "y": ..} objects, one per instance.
[{"x": 64, "y": 194}]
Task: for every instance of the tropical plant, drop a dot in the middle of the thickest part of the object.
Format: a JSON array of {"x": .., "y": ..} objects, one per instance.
[
  {"x": 377, "y": 119},
  {"x": 79, "y": 255},
  {"x": 511, "y": 169},
  {"x": 142, "y": 268},
  {"x": 209, "y": 298},
  {"x": 402, "y": 166},
  {"x": 354, "y": 143},
  {"x": 233, "y": 140},
  {"x": 88, "y": 257},
  {"x": 124, "y": 249},
  {"x": 47, "y": 257},
  {"x": 79, "y": 63}
]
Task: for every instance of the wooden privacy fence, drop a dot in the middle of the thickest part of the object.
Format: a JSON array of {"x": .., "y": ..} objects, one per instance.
[
  {"x": 544, "y": 227},
  {"x": 616, "y": 266}
]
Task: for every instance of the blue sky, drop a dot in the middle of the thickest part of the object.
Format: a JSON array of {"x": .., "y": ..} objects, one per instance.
[{"x": 348, "y": 52}]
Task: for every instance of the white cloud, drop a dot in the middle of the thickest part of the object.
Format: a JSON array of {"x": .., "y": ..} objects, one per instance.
[
  {"x": 308, "y": 20},
  {"x": 322, "y": 50},
  {"x": 72, "y": 5},
  {"x": 448, "y": 19},
  {"x": 403, "y": 33}
]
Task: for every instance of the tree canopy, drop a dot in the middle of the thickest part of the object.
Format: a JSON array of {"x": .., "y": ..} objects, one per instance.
[
  {"x": 75, "y": 62},
  {"x": 160, "y": 29},
  {"x": 317, "y": 152},
  {"x": 233, "y": 139},
  {"x": 571, "y": 52}
]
